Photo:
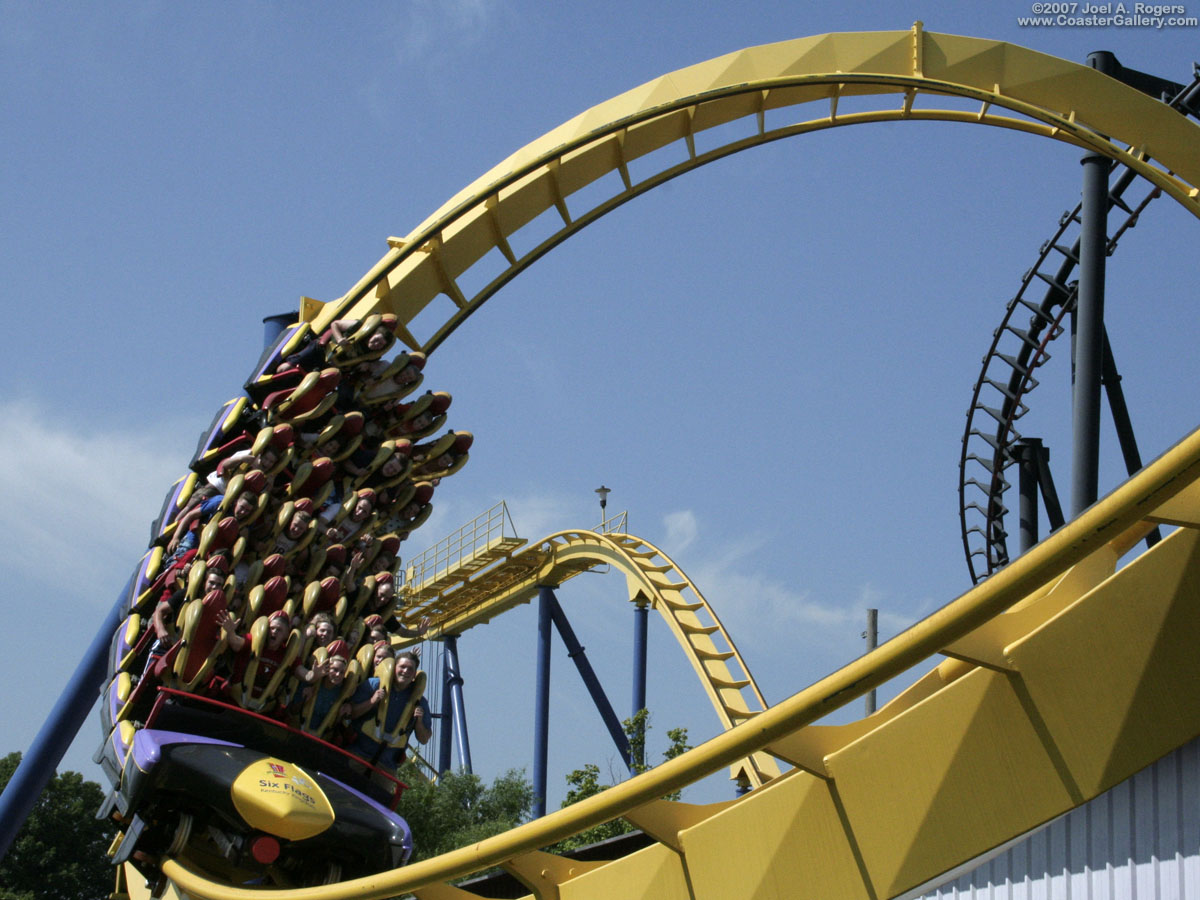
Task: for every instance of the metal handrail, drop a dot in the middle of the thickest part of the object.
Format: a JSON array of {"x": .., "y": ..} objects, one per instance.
[
  {"x": 461, "y": 545},
  {"x": 618, "y": 524}
]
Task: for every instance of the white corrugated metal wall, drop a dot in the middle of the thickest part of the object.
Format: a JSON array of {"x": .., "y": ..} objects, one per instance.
[{"x": 1138, "y": 841}]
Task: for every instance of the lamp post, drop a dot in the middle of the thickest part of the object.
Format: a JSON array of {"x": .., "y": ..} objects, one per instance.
[{"x": 603, "y": 492}]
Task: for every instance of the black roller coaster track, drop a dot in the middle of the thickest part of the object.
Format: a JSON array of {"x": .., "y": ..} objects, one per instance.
[{"x": 1007, "y": 375}]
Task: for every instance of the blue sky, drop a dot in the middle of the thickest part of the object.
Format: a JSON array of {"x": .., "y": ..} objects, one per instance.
[{"x": 768, "y": 360}]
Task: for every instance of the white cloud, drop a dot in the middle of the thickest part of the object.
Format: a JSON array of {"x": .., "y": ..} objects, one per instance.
[
  {"x": 751, "y": 603},
  {"x": 427, "y": 25},
  {"x": 890, "y": 623},
  {"x": 78, "y": 502},
  {"x": 681, "y": 529},
  {"x": 768, "y": 604}
]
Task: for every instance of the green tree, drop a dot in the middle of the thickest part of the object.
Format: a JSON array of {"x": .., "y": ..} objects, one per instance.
[
  {"x": 585, "y": 782},
  {"x": 460, "y": 809},
  {"x": 60, "y": 853}
]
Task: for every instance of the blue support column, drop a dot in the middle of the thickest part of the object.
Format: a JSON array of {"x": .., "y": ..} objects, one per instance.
[
  {"x": 1089, "y": 333},
  {"x": 541, "y": 710},
  {"x": 576, "y": 652},
  {"x": 454, "y": 683},
  {"x": 446, "y": 718},
  {"x": 1089, "y": 320},
  {"x": 1030, "y": 454},
  {"x": 641, "y": 615},
  {"x": 273, "y": 327},
  {"x": 52, "y": 741}
]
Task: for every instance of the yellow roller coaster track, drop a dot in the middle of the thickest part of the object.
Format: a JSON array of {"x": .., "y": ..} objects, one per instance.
[
  {"x": 454, "y": 602},
  {"x": 1065, "y": 674},
  {"x": 1051, "y": 98}
]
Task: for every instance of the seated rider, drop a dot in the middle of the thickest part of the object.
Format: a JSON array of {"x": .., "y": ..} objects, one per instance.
[
  {"x": 321, "y": 697},
  {"x": 372, "y": 556},
  {"x": 380, "y": 754},
  {"x": 269, "y": 454},
  {"x": 322, "y": 629},
  {"x": 273, "y": 655},
  {"x": 245, "y": 510},
  {"x": 342, "y": 524},
  {"x": 291, "y": 528},
  {"x": 382, "y": 605},
  {"x": 375, "y": 629},
  {"x": 186, "y": 534},
  {"x": 380, "y": 650},
  {"x": 383, "y": 380},
  {"x": 166, "y": 612},
  {"x": 317, "y": 352}
]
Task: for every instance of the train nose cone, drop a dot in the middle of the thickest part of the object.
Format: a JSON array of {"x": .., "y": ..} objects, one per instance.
[{"x": 281, "y": 799}]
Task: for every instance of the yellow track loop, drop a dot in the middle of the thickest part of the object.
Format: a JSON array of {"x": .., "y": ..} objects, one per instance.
[
  {"x": 1078, "y": 675},
  {"x": 907, "y": 70},
  {"x": 656, "y": 581},
  {"x": 454, "y": 605}
]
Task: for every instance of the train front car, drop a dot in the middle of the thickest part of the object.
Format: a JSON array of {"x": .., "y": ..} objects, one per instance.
[
  {"x": 254, "y": 712},
  {"x": 250, "y": 799}
]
